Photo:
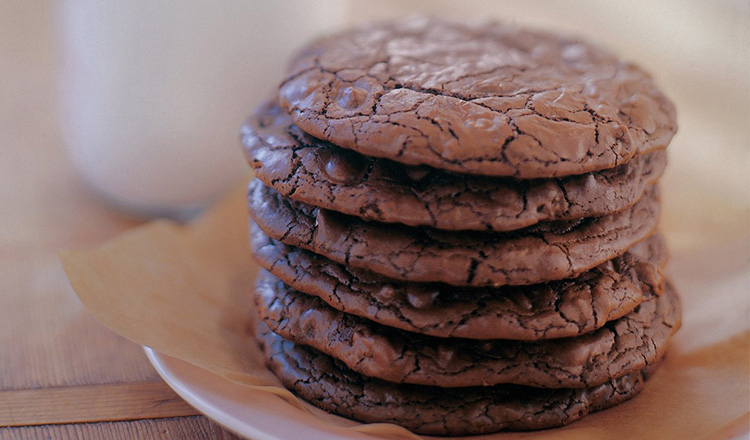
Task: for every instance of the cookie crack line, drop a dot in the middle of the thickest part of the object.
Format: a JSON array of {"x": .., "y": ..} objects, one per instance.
[
  {"x": 328, "y": 384},
  {"x": 614, "y": 289},
  {"x": 543, "y": 253},
  {"x": 519, "y": 168},
  {"x": 620, "y": 347},
  {"x": 602, "y": 111},
  {"x": 315, "y": 172}
]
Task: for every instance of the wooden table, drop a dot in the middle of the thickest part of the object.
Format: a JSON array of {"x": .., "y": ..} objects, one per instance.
[{"x": 64, "y": 375}]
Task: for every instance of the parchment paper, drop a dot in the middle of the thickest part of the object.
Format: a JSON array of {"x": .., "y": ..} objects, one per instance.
[{"x": 185, "y": 291}]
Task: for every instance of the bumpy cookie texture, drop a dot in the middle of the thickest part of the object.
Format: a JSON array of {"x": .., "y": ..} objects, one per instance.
[
  {"x": 544, "y": 311},
  {"x": 620, "y": 347},
  {"x": 542, "y": 253},
  {"x": 315, "y": 172},
  {"x": 487, "y": 99},
  {"x": 328, "y": 384}
]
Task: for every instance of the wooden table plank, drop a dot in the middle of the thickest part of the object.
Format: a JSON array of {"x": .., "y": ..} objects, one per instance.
[
  {"x": 93, "y": 403},
  {"x": 58, "y": 364},
  {"x": 183, "y": 428},
  {"x": 48, "y": 337}
]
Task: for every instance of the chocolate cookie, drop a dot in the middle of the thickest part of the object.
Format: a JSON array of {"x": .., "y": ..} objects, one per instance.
[
  {"x": 543, "y": 311},
  {"x": 315, "y": 172},
  {"x": 488, "y": 99},
  {"x": 328, "y": 384},
  {"x": 620, "y": 347},
  {"x": 544, "y": 252}
]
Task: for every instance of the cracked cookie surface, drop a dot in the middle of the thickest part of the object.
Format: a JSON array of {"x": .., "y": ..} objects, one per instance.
[
  {"x": 628, "y": 344},
  {"x": 489, "y": 99},
  {"x": 318, "y": 173},
  {"x": 328, "y": 384},
  {"x": 544, "y": 252},
  {"x": 544, "y": 311}
]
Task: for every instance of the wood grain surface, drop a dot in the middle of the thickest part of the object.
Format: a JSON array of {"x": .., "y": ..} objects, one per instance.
[
  {"x": 64, "y": 375},
  {"x": 90, "y": 403}
]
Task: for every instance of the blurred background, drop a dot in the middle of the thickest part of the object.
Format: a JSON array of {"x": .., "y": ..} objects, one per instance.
[{"x": 112, "y": 111}]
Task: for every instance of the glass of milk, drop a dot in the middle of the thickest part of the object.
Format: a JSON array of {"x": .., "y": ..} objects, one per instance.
[{"x": 154, "y": 92}]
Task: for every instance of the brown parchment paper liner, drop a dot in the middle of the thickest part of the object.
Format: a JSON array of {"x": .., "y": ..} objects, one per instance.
[{"x": 185, "y": 291}]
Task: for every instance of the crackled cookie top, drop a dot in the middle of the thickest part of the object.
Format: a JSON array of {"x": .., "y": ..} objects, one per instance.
[
  {"x": 628, "y": 344},
  {"x": 545, "y": 252},
  {"x": 557, "y": 309},
  {"x": 487, "y": 98},
  {"x": 326, "y": 383},
  {"x": 312, "y": 171}
]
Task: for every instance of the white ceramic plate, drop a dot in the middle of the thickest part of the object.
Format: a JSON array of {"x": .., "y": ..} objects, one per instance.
[
  {"x": 244, "y": 411},
  {"x": 254, "y": 414}
]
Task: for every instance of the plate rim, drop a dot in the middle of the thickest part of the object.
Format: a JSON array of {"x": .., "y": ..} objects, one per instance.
[
  {"x": 199, "y": 398},
  {"x": 157, "y": 361}
]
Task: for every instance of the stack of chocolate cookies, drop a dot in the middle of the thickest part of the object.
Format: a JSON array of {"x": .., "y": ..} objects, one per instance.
[{"x": 457, "y": 225}]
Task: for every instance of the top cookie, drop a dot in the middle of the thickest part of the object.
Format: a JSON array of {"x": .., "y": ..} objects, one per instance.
[{"x": 486, "y": 99}]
